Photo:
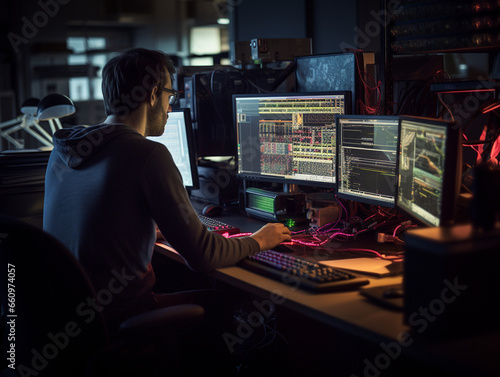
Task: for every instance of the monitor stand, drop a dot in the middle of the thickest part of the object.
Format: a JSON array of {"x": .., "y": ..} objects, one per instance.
[{"x": 290, "y": 188}]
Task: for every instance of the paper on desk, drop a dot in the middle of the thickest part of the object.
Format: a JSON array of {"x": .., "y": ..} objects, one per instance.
[{"x": 373, "y": 266}]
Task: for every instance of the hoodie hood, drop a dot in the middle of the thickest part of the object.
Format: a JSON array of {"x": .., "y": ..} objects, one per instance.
[{"x": 78, "y": 144}]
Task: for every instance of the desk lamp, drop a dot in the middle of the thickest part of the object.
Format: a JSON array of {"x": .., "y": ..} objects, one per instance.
[
  {"x": 27, "y": 122},
  {"x": 50, "y": 108},
  {"x": 55, "y": 106}
]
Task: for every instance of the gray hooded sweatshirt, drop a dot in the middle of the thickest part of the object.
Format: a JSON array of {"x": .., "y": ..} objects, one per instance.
[{"x": 106, "y": 187}]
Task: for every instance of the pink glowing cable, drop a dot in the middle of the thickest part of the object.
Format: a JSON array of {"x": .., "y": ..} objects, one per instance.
[{"x": 236, "y": 235}]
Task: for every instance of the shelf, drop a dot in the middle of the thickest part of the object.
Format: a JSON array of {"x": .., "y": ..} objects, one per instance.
[{"x": 65, "y": 71}]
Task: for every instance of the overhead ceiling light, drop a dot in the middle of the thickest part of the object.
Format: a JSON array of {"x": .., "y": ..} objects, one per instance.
[{"x": 223, "y": 21}]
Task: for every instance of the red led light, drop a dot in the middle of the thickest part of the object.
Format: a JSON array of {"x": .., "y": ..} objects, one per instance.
[
  {"x": 467, "y": 91},
  {"x": 491, "y": 107}
]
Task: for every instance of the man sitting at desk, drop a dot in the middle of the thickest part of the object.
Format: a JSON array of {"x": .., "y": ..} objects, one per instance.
[{"x": 107, "y": 186}]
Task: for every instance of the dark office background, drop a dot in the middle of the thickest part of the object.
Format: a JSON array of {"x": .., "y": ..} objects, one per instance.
[{"x": 35, "y": 55}]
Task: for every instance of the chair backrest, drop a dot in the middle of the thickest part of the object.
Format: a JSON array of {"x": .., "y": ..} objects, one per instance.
[{"x": 49, "y": 318}]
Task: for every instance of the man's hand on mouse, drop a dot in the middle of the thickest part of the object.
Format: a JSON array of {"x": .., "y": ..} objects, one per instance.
[{"x": 272, "y": 234}]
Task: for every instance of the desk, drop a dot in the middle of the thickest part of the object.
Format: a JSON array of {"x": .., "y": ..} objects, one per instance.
[{"x": 345, "y": 334}]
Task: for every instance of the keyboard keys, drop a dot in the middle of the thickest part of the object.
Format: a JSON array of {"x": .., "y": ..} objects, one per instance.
[
  {"x": 218, "y": 226},
  {"x": 310, "y": 275}
]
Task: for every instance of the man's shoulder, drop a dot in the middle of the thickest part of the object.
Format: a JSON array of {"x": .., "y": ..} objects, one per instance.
[
  {"x": 138, "y": 148},
  {"x": 127, "y": 135}
]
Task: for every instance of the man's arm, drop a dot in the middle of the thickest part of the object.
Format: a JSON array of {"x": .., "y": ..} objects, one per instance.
[{"x": 170, "y": 207}]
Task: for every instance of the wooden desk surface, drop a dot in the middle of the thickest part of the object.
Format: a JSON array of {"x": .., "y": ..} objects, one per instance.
[
  {"x": 350, "y": 311},
  {"x": 346, "y": 308},
  {"x": 362, "y": 318}
]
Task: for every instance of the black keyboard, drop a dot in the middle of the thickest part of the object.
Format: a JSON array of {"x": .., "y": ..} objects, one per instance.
[
  {"x": 300, "y": 273},
  {"x": 217, "y": 226}
]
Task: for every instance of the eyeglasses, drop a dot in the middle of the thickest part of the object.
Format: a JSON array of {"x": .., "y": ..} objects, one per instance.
[{"x": 173, "y": 97}]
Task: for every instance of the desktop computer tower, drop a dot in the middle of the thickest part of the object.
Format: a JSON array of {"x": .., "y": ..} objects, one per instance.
[
  {"x": 212, "y": 117},
  {"x": 451, "y": 281},
  {"x": 208, "y": 95}
]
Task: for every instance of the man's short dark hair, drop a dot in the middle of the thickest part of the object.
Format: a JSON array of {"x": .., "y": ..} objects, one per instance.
[{"x": 129, "y": 78}]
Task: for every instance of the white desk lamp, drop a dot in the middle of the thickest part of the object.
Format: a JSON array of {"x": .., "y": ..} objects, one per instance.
[
  {"x": 50, "y": 108},
  {"x": 55, "y": 106}
]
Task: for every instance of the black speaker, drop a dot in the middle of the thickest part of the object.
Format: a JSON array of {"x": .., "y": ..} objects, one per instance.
[{"x": 452, "y": 281}]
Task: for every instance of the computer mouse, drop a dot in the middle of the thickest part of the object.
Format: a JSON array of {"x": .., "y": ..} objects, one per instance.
[
  {"x": 212, "y": 210},
  {"x": 393, "y": 292}
]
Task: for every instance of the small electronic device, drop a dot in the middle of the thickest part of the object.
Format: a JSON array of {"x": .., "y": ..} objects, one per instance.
[
  {"x": 367, "y": 156},
  {"x": 322, "y": 215},
  {"x": 178, "y": 138},
  {"x": 279, "y": 49},
  {"x": 322, "y": 208},
  {"x": 429, "y": 173},
  {"x": 288, "y": 138},
  {"x": 240, "y": 52},
  {"x": 275, "y": 206}
]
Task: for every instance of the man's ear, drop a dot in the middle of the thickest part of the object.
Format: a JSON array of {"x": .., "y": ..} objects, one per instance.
[{"x": 153, "y": 97}]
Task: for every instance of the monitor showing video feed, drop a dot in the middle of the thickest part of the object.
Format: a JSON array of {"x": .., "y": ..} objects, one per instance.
[
  {"x": 367, "y": 156},
  {"x": 429, "y": 170},
  {"x": 332, "y": 71},
  {"x": 288, "y": 138},
  {"x": 178, "y": 138}
]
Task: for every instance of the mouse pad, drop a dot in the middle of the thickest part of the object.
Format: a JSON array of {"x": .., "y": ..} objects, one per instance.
[
  {"x": 371, "y": 266},
  {"x": 379, "y": 295}
]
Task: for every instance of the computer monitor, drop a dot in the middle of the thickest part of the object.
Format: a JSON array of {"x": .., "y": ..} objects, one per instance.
[
  {"x": 288, "y": 138},
  {"x": 429, "y": 170},
  {"x": 330, "y": 72},
  {"x": 367, "y": 156},
  {"x": 178, "y": 138}
]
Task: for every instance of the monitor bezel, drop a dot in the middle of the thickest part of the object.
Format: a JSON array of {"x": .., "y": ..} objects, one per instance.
[
  {"x": 287, "y": 180},
  {"x": 359, "y": 198},
  {"x": 451, "y": 175}
]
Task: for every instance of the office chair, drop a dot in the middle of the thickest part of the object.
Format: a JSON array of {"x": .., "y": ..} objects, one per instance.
[{"x": 52, "y": 329}]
